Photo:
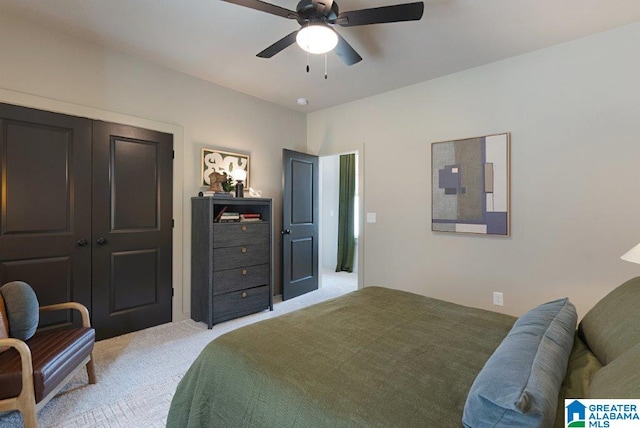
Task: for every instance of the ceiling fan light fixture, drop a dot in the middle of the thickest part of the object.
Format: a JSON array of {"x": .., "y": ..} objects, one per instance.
[{"x": 317, "y": 38}]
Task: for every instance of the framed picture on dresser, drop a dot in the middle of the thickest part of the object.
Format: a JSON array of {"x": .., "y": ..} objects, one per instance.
[{"x": 214, "y": 160}]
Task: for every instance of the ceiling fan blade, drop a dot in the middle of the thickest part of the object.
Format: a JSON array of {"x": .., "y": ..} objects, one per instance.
[
  {"x": 347, "y": 54},
  {"x": 382, "y": 15},
  {"x": 265, "y": 7},
  {"x": 278, "y": 46}
]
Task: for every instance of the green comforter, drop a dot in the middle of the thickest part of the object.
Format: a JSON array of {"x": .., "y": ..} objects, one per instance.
[{"x": 375, "y": 357}]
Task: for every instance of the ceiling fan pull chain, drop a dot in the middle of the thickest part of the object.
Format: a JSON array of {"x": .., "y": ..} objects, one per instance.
[
  {"x": 325, "y": 66},
  {"x": 307, "y": 62}
]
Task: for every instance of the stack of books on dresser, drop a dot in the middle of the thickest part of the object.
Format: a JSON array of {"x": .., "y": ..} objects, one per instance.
[
  {"x": 250, "y": 217},
  {"x": 228, "y": 217},
  {"x": 212, "y": 194}
]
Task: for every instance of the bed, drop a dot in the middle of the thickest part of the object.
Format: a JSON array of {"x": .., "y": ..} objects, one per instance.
[{"x": 382, "y": 357}]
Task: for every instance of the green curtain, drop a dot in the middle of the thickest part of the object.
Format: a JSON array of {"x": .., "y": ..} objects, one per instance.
[{"x": 346, "y": 240}]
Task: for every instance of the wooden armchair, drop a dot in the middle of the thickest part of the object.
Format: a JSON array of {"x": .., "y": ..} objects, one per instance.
[{"x": 33, "y": 371}]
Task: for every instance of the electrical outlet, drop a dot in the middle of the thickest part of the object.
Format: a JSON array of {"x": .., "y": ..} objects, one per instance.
[
  {"x": 371, "y": 217},
  {"x": 498, "y": 298}
]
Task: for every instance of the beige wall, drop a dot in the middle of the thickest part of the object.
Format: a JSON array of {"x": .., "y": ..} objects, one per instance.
[
  {"x": 46, "y": 70},
  {"x": 574, "y": 116},
  {"x": 572, "y": 110}
]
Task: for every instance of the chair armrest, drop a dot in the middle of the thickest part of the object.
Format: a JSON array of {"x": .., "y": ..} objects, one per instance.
[
  {"x": 25, "y": 358},
  {"x": 70, "y": 305}
]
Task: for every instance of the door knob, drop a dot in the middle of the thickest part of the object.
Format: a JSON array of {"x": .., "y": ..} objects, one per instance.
[
  {"x": 82, "y": 243},
  {"x": 101, "y": 241},
  {"x": 286, "y": 232}
]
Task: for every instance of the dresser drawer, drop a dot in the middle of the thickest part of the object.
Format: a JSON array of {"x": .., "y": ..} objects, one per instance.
[
  {"x": 237, "y": 257},
  {"x": 239, "y": 303},
  {"x": 240, "y": 233},
  {"x": 238, "y": 279}
]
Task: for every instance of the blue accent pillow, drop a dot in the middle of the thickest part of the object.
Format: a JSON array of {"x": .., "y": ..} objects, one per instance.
[
  {"x": 519, "y": 383},
  {"x": 23, "y": 309}
]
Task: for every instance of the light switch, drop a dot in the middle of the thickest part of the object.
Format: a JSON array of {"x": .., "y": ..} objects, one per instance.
[{"x": 371, "y": 217}]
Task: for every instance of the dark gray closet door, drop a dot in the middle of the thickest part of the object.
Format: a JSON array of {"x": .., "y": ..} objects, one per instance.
[
  {"x": 45, "y": 182},
  {"x": 132, "y": 228}
]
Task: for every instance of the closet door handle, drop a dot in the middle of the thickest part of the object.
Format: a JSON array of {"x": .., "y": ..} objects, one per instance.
[
  {"x": 101, "y": 241},
  {"x": 82, "y": 243},
  {"x": 285, "y": 232}
]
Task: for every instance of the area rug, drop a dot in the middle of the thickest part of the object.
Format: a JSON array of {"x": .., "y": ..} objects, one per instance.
[{"x": 148, "y": 408}]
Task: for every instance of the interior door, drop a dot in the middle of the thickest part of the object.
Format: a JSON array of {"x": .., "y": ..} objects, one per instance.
[
  {"x": 132, "y": 228},
  {"x": 299, "y": 224},
  {"x": 45, "y": 182}
]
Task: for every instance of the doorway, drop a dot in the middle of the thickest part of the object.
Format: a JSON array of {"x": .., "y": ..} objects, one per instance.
[{"x": 329, "y": 209}]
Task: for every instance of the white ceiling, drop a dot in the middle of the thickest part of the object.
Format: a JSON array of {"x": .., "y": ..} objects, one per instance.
[{"x": 218, "y": 41}]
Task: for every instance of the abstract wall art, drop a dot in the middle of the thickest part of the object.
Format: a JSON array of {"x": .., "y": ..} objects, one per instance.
[
  {"x": 214, "y": 160},
  {"x": 470, "y": 185}
]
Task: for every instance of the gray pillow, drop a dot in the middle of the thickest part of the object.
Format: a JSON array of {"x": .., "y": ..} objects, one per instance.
[
  {"x": 610, "y": 328},
  {"x": 519, "y": 384},
  {"x": 22, "y": 308}
]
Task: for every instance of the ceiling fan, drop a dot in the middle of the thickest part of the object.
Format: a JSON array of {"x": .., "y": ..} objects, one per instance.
[{"x": 321, "y": 15}]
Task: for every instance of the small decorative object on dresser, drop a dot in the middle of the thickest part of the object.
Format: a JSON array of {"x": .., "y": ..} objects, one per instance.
[
  {"x": 231, "y": 258},
  {"x": 240, "y": 175},
  {"x": 215, "y": 181}
]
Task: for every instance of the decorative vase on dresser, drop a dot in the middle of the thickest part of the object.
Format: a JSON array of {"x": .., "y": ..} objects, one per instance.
[{"x": 231, "y": 258}]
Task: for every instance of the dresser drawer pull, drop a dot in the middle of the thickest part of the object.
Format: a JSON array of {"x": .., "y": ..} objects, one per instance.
[
  {"x": 244, "y": 228},
  {"x": 244, "y": 250},
  {"x": 244, "y": 272},
  {"x": 244, "y": 294}
]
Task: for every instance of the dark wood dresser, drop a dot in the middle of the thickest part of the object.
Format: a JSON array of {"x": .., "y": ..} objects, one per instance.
[{"x": 231, "y": 261}]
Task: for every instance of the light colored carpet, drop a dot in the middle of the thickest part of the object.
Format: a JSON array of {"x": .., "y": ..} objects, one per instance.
[{"x": 138, "y": 372}]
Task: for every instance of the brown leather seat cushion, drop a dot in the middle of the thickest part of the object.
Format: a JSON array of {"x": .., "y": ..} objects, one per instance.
[{"x": 55, "y": 354}]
